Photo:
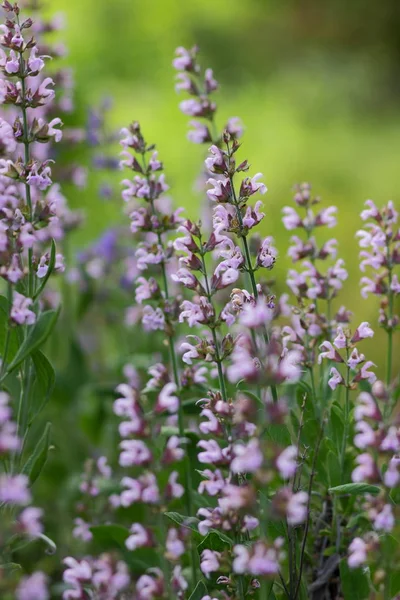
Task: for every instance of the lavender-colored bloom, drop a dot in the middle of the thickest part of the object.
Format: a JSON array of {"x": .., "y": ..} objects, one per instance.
[
  {"x": 209, "y": 562},
  {"x": 29, "y": 520},
  {"x": 357, "y": 553},
  {"x": 247, "y": 458},
  {"x": 287, "y": 462},
  {"x": 20, "y": 313},
  {"x": 33, "y": 587},
  {"x": 296, "y": 509},
  {"x": 335, "y": 379},
  {"x": 366, "y": 469},
  {"x": 81, "y": 531},
  {"x": 139, "y": 538},
  {"x": 134, "y": 452},
  {"x": 167, "y": 399},
  {"x": 14, "y": 489},
  {"x": 362, "y": 332}
]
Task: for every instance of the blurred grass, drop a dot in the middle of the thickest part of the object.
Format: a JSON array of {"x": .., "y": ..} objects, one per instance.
[{"x": 314, "y": 108}]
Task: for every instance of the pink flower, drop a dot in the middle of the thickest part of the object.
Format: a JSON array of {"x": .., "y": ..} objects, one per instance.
[
  {"x": 190, "y": 352},
  {"x": 29, "y": 520},
  {"x": 362, "y": 332},
  {"x": 267, "y": 253},
  {"x": 174, "y": 545},
  {"x": 33, "y": 587},
  {"x": 209, "y": 562},
  {"x": 174, "y": 489},
  {"x": 249, "y": 186},
  {"x": 365, "y": 374},
  {"x": 335, "y": 379},
  {"x": 14, "y": 489},
  {"x": 291, "y": 219},
  {"x": 357, "y": 553},
  {"x": 214, "y": 483},
  {"x": 153, "y": 319},
  {"x": 366, "y": 470},
  {"x": 254, "y": 316},
  {"x": 81, "y": 531},
  {"x": 371, "y": 212},
  {"x": 340, "y": 340},
  {"x": 366, "y": 407},
  {"x": 199, "y": 134},
  {"x": 327, "y": 217},
  {"x": 286, "y": 462},
  {"x": 247, "y": 458},
  {"x": 167, "y": 399},
  {"x": 384, "y": 520},
  {"x": 365, "y": 435},
  {"x": 392, "y": 475},
  {"x": 20, "y": 312},
  {"x": 134, "y": 452},
  {"x": 296, "y": 509},
  {"x": 139, "y": 538},
  {"x": 391, "y": 442},
  {"x": 330, "y": 353}
]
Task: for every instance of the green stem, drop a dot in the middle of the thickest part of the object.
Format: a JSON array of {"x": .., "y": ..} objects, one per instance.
[
  {"x": 8, "y": 333},
  {"x": 346, "y": 419},
  {"x": 27, "y": 159},
  {"x": 249, "y": 266},
  {"x": 181, "y": 423}
]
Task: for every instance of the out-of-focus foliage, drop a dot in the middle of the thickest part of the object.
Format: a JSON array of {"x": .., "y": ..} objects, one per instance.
[{"x": 315, "y": 84}]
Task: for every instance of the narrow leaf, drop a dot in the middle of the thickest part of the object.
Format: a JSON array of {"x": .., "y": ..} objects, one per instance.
[
  {"x": 354, "y": 582},
  {"x": 199, "y": 591},
  {"x": 355, "y": 488},
  {"x": 44, "y": 384},
  {"x": 38, "y": 334},
  {"x": 38, "y": 458}
]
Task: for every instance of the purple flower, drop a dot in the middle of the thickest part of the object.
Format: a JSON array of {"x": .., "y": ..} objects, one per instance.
[
  {"x": 340, "y": 340},
  {"x": 357, "y": 553},
  {"x": 366, "y": 469},
  {"x": 335, "y": 379},
  {"x": 362, "y": 332},
  {"x": 330, "y": 353},
  {"x": 134, "y": 452},
  {"x": 153, "y": 319},
  {"x": 167, "y": 399},
  {"x": 82, "y": 531},
  {"x": 286, "y": 462},
  {"x": 209, "y": 562},
  {"x": 20, "y": 313},
  {"x": 14, "y": 489},
  {"x": 33, "y": 587},
  {"x": 296, "y": 509},
  {"x": 291, "y": 219},
  {"x": 140, "y": 537},
  {"x": 29, "y": 520},
  {"x": 247, "y": 458},
  {"x": 174, "y": 545},
  {"x": 267, "y": 253},
  {"x": 327, "y": 217},
  {"x": 251, "y": 186},
  {"x": 199, "y": 134}
]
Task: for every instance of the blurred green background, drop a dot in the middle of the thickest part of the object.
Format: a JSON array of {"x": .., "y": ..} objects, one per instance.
[{"x": 315, "y": 83}]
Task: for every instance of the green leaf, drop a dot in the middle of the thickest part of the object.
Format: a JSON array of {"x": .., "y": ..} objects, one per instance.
[
  {"x": 334, "y": 470},
  {"x": 354, "y": 582},
  {"x": 214, "y": 540},
  {"x": 199, "y": 591},
  {"x": 110, "y": 536},
  {"x": 355, "y": 488},
  {"x": 14, "y": 340},
  {"x": 37, "y": 335},
  {"x": 44, "y": 384},
  {"x": 50, "y": 269},
  {"x": 182, "y": 521},
  {"x": 35, "y": 463}
]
